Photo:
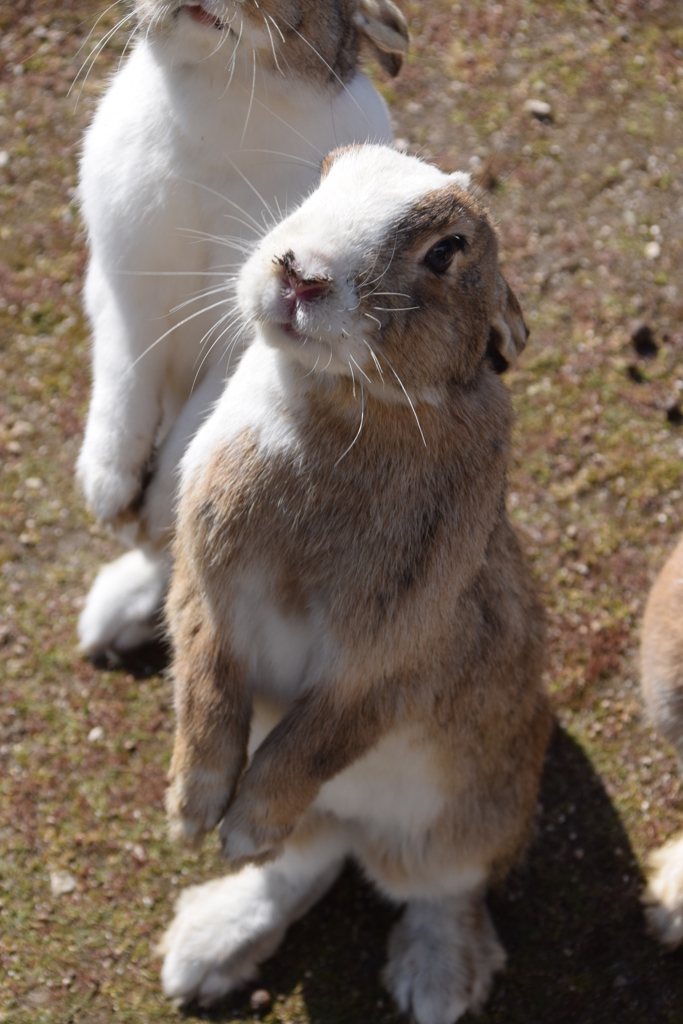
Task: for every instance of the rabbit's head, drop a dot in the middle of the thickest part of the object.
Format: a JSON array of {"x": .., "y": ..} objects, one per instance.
[
  {"x": 317, "y": 40},
  {"x": 387, "y": 272}
]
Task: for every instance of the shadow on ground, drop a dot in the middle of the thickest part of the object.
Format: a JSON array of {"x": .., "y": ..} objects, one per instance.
[
  {"x": 570, "y": 920},
  {"x": 149, "y": 660}
]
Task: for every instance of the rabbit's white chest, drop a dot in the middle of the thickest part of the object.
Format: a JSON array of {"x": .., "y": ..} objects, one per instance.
[
  {"x": 284, "y": 653},
  {"x": 393, "y": 787}
]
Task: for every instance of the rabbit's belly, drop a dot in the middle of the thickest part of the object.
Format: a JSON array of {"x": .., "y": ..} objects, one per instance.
[{"x": 393, "y": 789}]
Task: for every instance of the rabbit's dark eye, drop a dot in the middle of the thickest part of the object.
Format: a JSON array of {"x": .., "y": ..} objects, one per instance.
[{"x": 440, "y": 256}]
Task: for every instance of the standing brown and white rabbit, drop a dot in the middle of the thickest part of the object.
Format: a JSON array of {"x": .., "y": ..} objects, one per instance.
[
  {"x": 219, "y": 117},
  {"x": 662, "y": 678},
  {"x": 350, "y": 600}
]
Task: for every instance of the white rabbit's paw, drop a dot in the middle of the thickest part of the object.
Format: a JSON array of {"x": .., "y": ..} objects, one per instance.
[
  {"x": 664, "y": 894},
  {"x": 442, "y": 958},
  {"x": 111, "y": 486},
  {"x": 221, "y": 932},
  {"x": 123, "y": 608}
]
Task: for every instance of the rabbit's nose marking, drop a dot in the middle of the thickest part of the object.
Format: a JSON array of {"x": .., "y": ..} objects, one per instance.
[{"x": 288, "y": 263}]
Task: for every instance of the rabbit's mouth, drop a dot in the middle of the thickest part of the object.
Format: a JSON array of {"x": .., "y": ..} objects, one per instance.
[{"x": 199, "y": 13}]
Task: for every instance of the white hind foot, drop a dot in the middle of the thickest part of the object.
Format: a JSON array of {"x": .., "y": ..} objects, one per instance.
[
  {"x": 224, "y": 929},
  {"x": 124, "y": 603},
  {"x": 664, "y": 894},
  {"x": 442, "y": 958}
]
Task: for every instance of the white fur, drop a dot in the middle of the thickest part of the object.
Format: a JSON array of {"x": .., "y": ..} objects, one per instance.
[
  {"x": 177, "y": 148},
  {"x": 123, "y": 604},
  {"x": 439, "y": 964},
  {"x": 223, "y": 929}
]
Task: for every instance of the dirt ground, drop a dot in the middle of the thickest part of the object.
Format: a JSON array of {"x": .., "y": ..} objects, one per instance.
[{"x": 588, "y": 200}]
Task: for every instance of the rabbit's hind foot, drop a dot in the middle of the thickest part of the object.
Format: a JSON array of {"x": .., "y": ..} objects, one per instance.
[
  {"x": 123, "y": 607},
  {"x": 442, "y": 958}
]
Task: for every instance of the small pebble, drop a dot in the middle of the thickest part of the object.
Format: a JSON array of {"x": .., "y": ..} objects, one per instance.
[
  {"x": 260, "y": 999},
  {"x": 540, "y": 110},
  {"x": 96, "y": 734},
  {"x": 653, "y": 250},
  {"x": 61, "y": 883}
]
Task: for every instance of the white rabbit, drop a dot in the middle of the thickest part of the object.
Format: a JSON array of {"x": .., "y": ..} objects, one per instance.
[
  {"x": 358, "y": 642},
  {"x": 220, "y": 117}
]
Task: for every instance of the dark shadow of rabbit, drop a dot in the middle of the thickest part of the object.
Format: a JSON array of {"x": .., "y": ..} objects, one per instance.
[{"x": 570, "y": 919}]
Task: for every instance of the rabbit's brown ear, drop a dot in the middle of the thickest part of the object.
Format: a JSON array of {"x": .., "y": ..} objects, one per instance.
[
  {"x": 385, "y": 32},
  {"x": 508, "y": 333}
]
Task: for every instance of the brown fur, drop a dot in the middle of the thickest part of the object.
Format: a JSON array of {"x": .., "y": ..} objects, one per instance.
[
  {"x": 662, "y": 682},
  {"x": 315, "y": 40},
  {"x": 407, "y": 547},
  {"x": 662, "y": 652}
]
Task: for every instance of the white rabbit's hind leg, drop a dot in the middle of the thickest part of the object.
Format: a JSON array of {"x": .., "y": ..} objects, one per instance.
[
  {"x": 442, "y": 958},
  {"x": 123, "y": 606},
  {"x": 223, "y": 930},
  {"x": 664, "y": 894}
]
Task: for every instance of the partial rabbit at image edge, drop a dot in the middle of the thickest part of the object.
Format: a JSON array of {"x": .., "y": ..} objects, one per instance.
[{"x": 662, "y": 682}]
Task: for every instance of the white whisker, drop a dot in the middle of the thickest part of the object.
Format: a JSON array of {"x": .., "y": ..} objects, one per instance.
[
  {"x": 251, "y": 100},
  {"x": 362, "y": 416},
  {"x": 374, "y": 357},
  {"x": 175, "y": 327},
  {"x": 360, "y": 370},
  {"x": 225, "y": 199},
  {"x": 407, "y": 396},
  {"x": 395, "y": 309}
]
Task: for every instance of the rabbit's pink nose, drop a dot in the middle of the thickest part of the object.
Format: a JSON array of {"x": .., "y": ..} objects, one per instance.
[
  {"x": 308, "y": 289},
  {"x": 298, "y": 286}
]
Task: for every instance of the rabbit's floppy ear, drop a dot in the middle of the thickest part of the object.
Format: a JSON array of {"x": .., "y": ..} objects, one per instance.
[
  {"x": 508, "y": 333},
  {"x": 385, "y": 32}
]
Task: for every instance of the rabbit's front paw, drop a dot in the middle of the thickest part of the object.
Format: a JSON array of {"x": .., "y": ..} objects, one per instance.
[
  {"x": 251, "y": 831},
  {"x": 195, "y": 802},
  {"x": 111, "y": 486}
]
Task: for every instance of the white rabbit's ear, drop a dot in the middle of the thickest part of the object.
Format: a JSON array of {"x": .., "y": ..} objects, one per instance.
[
  {"x": 508, "y": 333},
  {"x": 385, "y": 32}
]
